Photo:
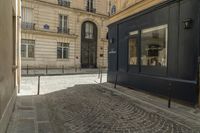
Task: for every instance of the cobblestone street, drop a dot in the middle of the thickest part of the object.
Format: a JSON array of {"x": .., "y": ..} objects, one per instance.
[{"x": 93, "y": 108}]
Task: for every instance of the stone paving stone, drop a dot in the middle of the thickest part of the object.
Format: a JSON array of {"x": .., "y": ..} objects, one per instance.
[
  {"x": 26, "y": 114},
  {"x": 24, "y": 125},
  {"x": 92, "y": 108},
  {"x": 25, "y": 101},
  {"x": 44, "y": 128},
  {"x": 41, "y": 109}
]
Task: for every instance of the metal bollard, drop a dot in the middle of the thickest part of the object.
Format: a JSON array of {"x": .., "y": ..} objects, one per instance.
[
  {"x": 27, "y": 69},
  {"x": 76, "y": 68},
  {"x": 46, "y": 69},
  {"x": 170, "y": 94},
  {"x": 116, "y": 80},
  {"x": 101, "y": 76},
  {"x": 63, "y": 70},
  {"x": 38, "y": 93}
]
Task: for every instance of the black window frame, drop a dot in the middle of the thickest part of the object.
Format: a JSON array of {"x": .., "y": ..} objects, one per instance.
[{"x": 139, "y": 68}]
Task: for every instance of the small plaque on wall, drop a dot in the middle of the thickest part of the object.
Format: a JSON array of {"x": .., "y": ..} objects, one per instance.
[
  {"x": 101, "y": 55},
  {"x": 46, "y": 26}
]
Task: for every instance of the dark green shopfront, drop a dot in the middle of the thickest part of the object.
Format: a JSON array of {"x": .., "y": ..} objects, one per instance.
[{"x": 157, "y": 50}]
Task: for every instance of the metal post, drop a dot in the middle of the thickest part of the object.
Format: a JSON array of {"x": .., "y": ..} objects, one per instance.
[
  {"x": 46, "y": 69},
  {"x": 63, "y": 70},
  {"x": 116, "y": 80},
  {"x": 38, "y": 93},
  {"x": 101, "y": 76},
  {"x": 27, "y": 69},
  {"x": 76, "y": 68},
  {"x": 170, "y": 94}
]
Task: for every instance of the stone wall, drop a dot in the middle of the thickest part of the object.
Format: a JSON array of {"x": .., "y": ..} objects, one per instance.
[{"x": 9, "y": 60}]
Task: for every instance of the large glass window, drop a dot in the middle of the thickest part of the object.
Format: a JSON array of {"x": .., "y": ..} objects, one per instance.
[
  {"x": 154, "y": 46},
  {"x": 90, "y": 6},
  {"x": 28, "y": 48},
  {"x": 133, "y": 48},
  {"x": 63, "y": 51},
  {"x": 27, "y": 15},
  {"x": 63, "y": 24}
]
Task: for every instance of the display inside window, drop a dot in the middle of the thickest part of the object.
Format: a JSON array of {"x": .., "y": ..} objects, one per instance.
[
  {"x": 133, "y": 48},
  {"x": 154, "y": 46}
]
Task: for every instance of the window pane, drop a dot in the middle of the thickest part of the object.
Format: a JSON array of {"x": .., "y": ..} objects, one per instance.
[
  {"x": 30, "y": 51},
  {"x": 132, "y": 51},
  {"x": 59, "y": 52},
  {"x": 89, "y": 30},
  {"x": 154, "y": 46},
  {"x": 65, "y": 53},
  {"x": 23, "y": 50}
]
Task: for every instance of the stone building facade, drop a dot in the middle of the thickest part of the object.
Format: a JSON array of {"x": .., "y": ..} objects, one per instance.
[
  {"x": 9, "y": 58},
  {"x": 57, "y": 33}
]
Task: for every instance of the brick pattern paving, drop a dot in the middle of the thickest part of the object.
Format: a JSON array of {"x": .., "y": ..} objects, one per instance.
[{"x": 93, "y": 109}]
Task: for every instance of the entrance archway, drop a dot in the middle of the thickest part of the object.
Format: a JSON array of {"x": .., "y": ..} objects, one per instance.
[{"x": 89, "y": 45}]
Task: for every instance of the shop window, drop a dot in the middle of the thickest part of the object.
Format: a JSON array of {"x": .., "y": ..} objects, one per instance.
[
  {"x": 133, "y": 48},
  {"x": 27, "y": 48},
  {"x": 63, "y": 51},
  {"x": 154, "y": 46}
]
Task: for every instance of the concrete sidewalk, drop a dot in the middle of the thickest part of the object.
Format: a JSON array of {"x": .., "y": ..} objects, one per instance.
[{"x": 30, "y": 116}]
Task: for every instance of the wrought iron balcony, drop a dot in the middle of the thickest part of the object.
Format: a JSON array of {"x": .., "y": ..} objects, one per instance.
[
  {"x": 63, "y": 30},
  {"x": 93, "y": 10},
  {"x": 64, "y": 3},
  {"x": 28, "y": 26}
]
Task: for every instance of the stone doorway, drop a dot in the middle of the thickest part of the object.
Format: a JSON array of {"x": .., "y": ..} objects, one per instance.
[{"x": 89, "y": 45}]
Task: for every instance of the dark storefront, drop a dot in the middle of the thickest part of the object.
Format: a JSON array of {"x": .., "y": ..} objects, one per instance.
[{"x": 158, "y": 48}]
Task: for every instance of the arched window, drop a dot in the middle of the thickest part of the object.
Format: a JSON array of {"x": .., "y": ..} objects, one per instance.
[{"x": 89, "y": 30}]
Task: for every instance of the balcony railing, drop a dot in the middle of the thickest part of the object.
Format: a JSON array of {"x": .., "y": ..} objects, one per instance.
[
  {"x": 28, "y": 26},
  {"x": 64, "y": 3},
  {"x": 63, "y": 30},
  {"x": 93, "y": 10}
]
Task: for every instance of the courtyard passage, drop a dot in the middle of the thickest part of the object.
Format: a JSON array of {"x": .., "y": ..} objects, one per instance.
[{"x": 79, "y": 104}]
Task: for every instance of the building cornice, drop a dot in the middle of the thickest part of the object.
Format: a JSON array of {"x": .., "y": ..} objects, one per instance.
[
  {"x": 136, "y": 8},
  {"x": 48, "y": 33},
  {"x": 68, "y": 8}
]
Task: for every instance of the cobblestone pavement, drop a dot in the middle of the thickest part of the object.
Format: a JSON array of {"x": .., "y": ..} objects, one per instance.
[{"x": 94, "y": 109}]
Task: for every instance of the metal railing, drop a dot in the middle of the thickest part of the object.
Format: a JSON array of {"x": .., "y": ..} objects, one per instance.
[
  {"x": 28, "y": 26},
  {"x": 63, "y": 30},
  {"x": 64, "y": 3},
  {"x": 93, "y": 10},
  {"x": 62, "y": 70}
]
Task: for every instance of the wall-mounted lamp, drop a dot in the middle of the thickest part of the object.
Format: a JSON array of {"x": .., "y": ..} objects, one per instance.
[{"x": 188, "y": 23}]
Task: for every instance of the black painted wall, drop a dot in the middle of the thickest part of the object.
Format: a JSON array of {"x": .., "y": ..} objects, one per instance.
[{"x": 183, "y": 45}]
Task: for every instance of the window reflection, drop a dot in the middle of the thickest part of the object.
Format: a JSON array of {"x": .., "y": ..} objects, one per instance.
[{"x": 154, "y": 46}]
